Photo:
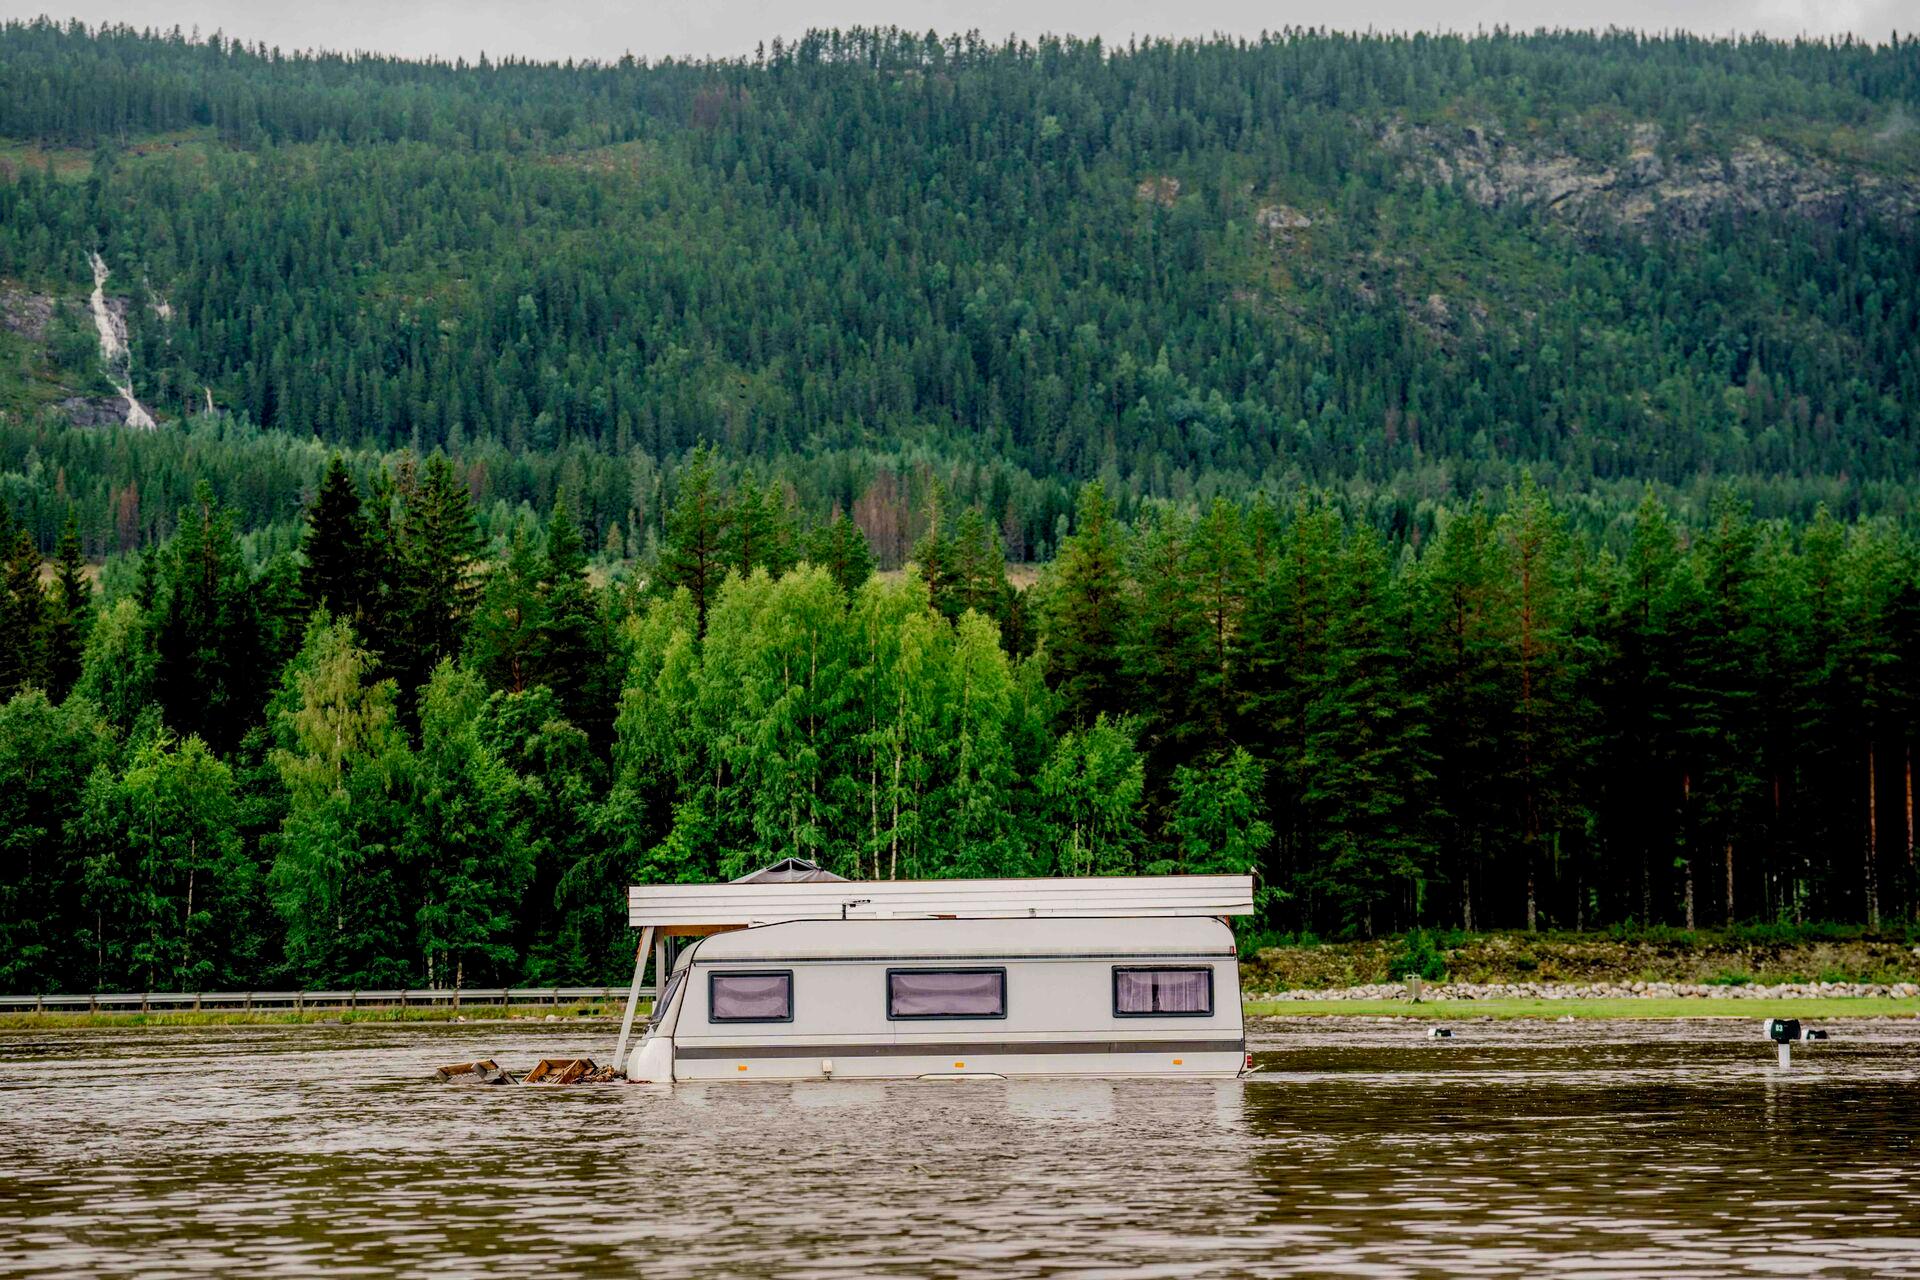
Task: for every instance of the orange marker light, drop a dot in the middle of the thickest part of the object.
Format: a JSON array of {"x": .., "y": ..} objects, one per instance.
[
  {"x": 959, "y": 1064},
  {"x": 1178, "y": 1061},
  {"x": 741, "y": 1067}
]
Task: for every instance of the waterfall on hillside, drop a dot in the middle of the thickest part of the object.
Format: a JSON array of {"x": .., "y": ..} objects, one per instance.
[{"x": 113, "y": 348}]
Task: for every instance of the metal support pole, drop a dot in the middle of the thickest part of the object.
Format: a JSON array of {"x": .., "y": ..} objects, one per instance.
[
  {"x": 633, "y": 999},
  {"x": 1786, "y": 1055}
]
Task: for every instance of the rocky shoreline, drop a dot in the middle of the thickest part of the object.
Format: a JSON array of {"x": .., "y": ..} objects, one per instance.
[{"x": 1435, "y": 991}]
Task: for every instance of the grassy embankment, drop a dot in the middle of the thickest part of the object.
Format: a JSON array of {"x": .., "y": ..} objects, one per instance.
[
  {"x": 1740, "y": 956},
  {"x": 1811, "y": 1007},
  {"x": 1751, "y": 955}
]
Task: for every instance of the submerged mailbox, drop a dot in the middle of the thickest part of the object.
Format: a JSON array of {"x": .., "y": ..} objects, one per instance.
[{"x": 1782, "y": 1030}]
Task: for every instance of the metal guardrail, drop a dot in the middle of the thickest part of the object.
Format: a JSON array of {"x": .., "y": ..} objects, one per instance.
[{"x": 426, "y": 997}]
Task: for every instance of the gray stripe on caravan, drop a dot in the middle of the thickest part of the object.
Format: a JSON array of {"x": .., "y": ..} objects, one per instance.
[
  {"x": 770, "y": 958},
  {"x": 697, "y": 1052}
]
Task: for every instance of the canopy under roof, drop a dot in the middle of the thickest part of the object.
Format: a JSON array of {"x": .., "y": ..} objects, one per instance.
[{"x": 788, "y": 871}]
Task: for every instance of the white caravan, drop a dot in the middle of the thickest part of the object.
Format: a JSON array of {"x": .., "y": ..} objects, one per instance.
[{"x": 810, "y": 979}]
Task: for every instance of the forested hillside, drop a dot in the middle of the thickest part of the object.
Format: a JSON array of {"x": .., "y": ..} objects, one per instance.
[
  {"x": 1472, "y": 480},
  {"x": 1405, "y": 268}
]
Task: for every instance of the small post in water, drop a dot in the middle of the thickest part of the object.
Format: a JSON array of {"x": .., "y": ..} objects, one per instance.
[{"x": 1783, "y": 1032}]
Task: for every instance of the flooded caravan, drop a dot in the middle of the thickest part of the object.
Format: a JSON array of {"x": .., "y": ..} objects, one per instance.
[{"x": 809, "y": 979}]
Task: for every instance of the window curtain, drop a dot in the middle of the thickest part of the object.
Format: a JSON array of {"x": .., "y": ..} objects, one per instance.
[
  {"x": 935, "y": 994},
  {"x": 768, "y": 997}
]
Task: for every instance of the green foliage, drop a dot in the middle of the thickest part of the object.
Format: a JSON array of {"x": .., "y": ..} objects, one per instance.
[
  {"x": 430, "y": 618},
  {"x": 1216, "y": 816},
  {"x": 1418, "y": 955}
]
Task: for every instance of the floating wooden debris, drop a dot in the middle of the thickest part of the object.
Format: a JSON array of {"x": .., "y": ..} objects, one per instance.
[
  {"x": 559, "y": 1071},
  {"x": 483, "y": 1071},
  {"x": 546, "y": 1071}
]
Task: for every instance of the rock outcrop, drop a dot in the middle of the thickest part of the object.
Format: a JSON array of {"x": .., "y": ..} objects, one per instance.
[
  {"x": 1643, "y": 188},
  {"x": 1163, "y": 191},
  {"x": 95, "y": 411},
  {"x": 26, "y": 314}
]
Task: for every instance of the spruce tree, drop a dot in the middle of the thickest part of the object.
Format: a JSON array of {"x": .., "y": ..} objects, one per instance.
[
  {"x": 570, "y": 649},
  {"x": 71, "y": 613},
  {"x": 1364, "y": 759},
  {"x": 841, "y": 549},
  {"x": 1085, "y": 610},
  {"x": 24, "y": 619},
  {"x": 1459, "y": 607},
  {"x": 694, "y": 556},
  {"x": 504, "y": 636},
  {"x": 979, "y": 578},
  {"x": 210, "y": 680},
  {"x": 436, "y": 565},
  {"x": 759, "y": 531},
  {"x": 337, "y": 548}
]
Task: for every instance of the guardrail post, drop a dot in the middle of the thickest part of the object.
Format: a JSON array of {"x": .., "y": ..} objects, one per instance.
[
  {"x": 248, "y": 1006},
  {"x": 143, "y": 1000},
  {"x": 353, "y": 999},
  {"x": 298, "y": 1001},
  {"x": 196, "y": 1001}
]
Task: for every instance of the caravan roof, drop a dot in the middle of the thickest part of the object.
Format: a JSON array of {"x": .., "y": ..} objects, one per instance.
[
  {"x": 711, "y": 908},
  {"x": 1007, "y": 939}
]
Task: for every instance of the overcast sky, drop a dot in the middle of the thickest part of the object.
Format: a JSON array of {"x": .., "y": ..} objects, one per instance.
[{"x": 608, "y": 28}]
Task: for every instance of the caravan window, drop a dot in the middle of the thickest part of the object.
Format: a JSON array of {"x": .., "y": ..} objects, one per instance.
[
  {"x": 665, "y": 999},
  {"x": 750, "y": 997},
  {"x": 946, "y": 993},
  {"x": 1184, "y": 992}
]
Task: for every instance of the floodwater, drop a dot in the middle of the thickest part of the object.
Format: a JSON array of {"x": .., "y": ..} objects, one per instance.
[{"x": 1363, "y": 1148}]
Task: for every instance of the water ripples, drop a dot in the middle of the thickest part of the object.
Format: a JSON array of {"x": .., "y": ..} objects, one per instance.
[{"x": 1589, "y": 1150}]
